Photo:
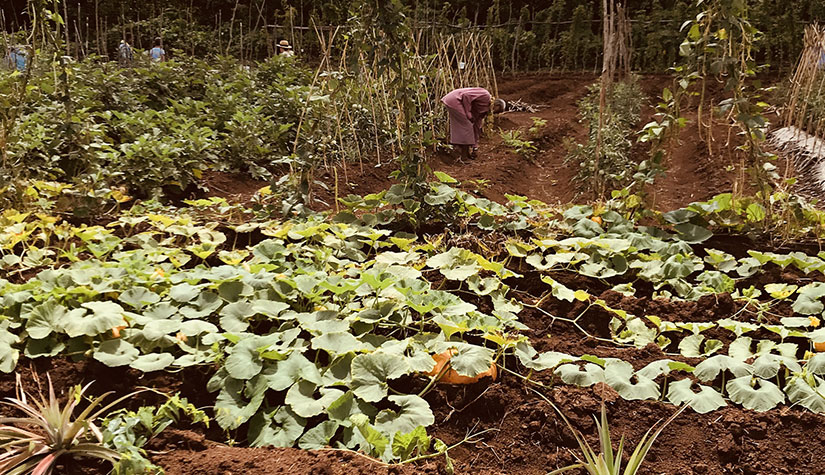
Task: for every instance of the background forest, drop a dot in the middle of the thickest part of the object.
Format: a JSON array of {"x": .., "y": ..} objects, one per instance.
[{"x": 540, "y": 35}]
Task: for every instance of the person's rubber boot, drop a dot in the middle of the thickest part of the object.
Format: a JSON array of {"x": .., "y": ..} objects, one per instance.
[
  {"x": 464, "y": 153},
  {"x": 474, "y": 153}
]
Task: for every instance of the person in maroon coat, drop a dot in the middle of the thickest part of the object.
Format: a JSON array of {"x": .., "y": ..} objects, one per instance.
[{"x": 468, "y": 107}]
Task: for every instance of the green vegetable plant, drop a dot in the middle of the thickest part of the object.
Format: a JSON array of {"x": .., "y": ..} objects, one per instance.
[
  {"x": 128, "y": 431},
  {"x": 608, "y": 462},
  {"x": 538, "y": 124},
  {"x": 50, "y": 431},
  {"x": 515, "y": 140},
  {"x": 615, "y": 165}
]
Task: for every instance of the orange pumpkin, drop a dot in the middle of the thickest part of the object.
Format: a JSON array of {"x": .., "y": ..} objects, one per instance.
[
  {"x": 819, "y": 346},
  {"x": 597, "y": 220},
  {"x": 116, "y": 331},
  {"x": 451, "y": 376}
]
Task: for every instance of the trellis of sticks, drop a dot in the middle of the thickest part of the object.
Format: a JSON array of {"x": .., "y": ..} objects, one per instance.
[
  {"x": 803, "y": 117},
  {"x": 462, "y": 59},
  {"x": 808, "y": 84}
]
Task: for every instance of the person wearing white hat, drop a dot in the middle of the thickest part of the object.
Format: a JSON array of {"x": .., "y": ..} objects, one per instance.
[
  {"x": 125, "y": 53},
  {"x": 284, "y": 49}
]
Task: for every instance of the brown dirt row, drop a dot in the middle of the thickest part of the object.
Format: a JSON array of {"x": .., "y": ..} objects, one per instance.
[{"x": 693, "y": 171}]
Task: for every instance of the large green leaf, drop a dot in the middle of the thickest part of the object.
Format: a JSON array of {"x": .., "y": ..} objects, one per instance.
[
  {"x": 371, "y": 372},
  {"x": 471, "y": 360},
  {"x": 139, "y": 297},
  {"x": 531, "y": 359},
  {"x": 197, "y": 327},
  {"x": 338, "y": 343},
  {"x": 116, "y": 352},
  {"x": 244, "y": 362},
  {"x": 619, "y": 374},
  {"x": 706, "y": 400},
  {"x": 559, "y": 290},
  {"x": 692, "y": 233},
  {"x": 152, "y": 362},
  {"x": 234, "y": 316},
  {"x": 808, "y": 391},
  {"x": 808, "y": 299},
  {"x": 406, "y": 445},
  {"x": 206, "y": 304},
  {"x": 104, "y": 317},
  {"x": 816, "y": 365},
  {"x": 709, "y": 369},
  {"x": 279, "y": 427},
  {"x": 744, "y": 391},
  {"x": 413, "y": 412},
  {"x": 319, "y": 436},
  {"x": 8, "y": 357},
  {"x": 679, "y": 216},
  {"x": 46, "y": 347},
  {"x": 283, "y": 374},
  {"x": 346, "y": 406},
  {"x": 767, "y": 365},
  {"x": 372, "y": 440},
  {"x": 47, "y": 317},
  {"x": 184, "y": 292},
  {"x": 301, "y": 398},
  {"x": 664, "y": 367},
  {"x": 157, "y": 329},
  {"x": 232, "y": 407},
  {"x": 570, "y": 373}
]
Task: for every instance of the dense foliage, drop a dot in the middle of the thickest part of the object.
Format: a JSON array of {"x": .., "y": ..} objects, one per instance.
[
  {"x": 616, "y": 168},
  {"x": 550, "y": 34},
  {"x": 158, "y": 127},
  {"x": 321, "y": 331}
]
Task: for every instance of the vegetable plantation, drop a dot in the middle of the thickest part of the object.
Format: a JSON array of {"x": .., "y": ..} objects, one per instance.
[{"x": 231, "y": 260}]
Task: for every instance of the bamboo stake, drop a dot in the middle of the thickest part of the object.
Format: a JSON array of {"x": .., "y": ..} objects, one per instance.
[
  {"x": 97, "y": 27},
  {"x": 232, "y": 26},
  {"x": 66, "y": 25}
]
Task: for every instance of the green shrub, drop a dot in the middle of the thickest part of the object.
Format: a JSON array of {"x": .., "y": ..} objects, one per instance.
[
  {"x": 615, "y": 164},
  {"x": 155, "y": 125}
]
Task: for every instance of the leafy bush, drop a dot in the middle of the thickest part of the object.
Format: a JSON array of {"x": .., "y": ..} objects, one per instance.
[
  {"x": 615, "y": 165},
  {"x": 156, "y": 125},
  {"x": 127, "y": 431}
]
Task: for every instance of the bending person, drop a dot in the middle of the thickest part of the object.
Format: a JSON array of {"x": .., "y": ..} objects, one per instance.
[{"x": 468, "y": 107}]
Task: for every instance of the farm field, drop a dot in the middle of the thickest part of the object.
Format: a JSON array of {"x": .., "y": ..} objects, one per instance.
[{"x": 224, "y": 260}]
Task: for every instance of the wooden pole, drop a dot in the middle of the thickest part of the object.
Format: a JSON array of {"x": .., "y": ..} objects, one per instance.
[
  {"x": 66, "y": 25},
  {"x": 97, "y": 28},
  {"x": 606, "y": 53}
]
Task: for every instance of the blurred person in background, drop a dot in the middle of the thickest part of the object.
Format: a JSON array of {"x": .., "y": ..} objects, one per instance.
[
  {"x": 17, "y": 58},
  {"x": 157, "y": 53},
  {"x": 125, "y": 54},
  {"x": 284, "y": 49}
]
